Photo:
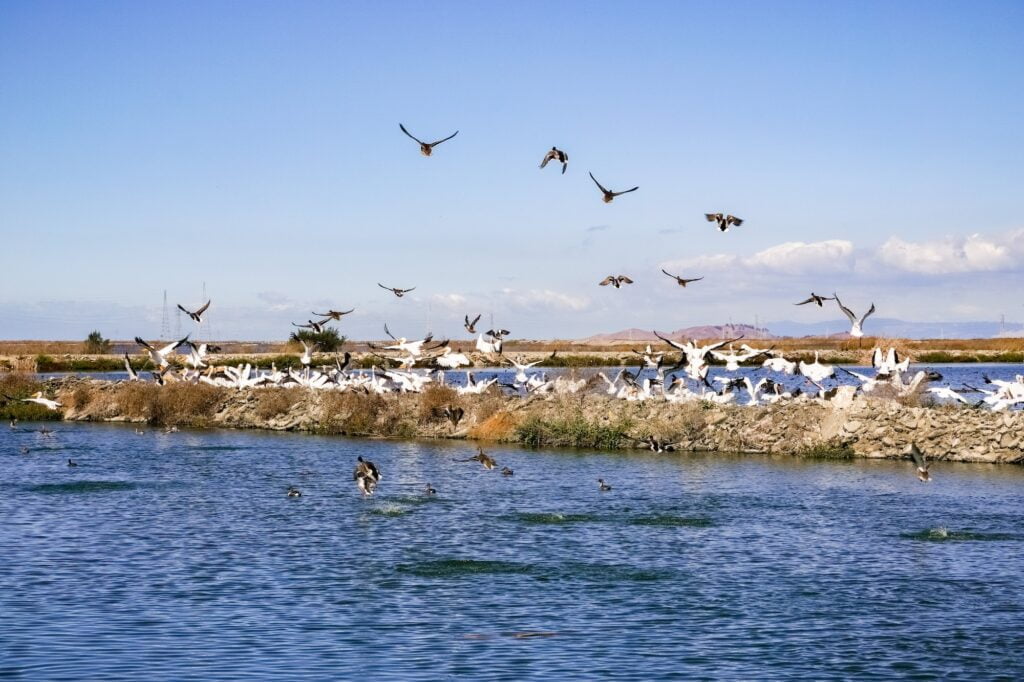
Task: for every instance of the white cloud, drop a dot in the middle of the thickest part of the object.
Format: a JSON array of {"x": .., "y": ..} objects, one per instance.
[
  {"x": 790, "y": 258},
  {"x": 451, "y": 301},
  {"x": 544, "y": 299},
  {"x": 976, "y": 253}
]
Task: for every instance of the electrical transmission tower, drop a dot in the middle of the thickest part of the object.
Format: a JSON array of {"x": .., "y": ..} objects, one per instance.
[{"x": 165, "y": 322}]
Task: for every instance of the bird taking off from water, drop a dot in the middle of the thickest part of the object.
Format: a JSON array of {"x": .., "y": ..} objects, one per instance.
[
  {"x": 426, "y": 148},
  {"x": 921, "y": 462},
  {"x": 724, "y": 221},
  {"x": 556, "y": 154},
  {"x": 609, "y": 196}
]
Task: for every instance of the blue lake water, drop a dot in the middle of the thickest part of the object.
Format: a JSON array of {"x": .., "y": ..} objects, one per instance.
[{"x": 179, "y": 556}]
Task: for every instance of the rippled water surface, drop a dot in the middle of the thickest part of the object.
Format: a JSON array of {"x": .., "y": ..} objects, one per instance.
[{"x": 179, "y": 556}]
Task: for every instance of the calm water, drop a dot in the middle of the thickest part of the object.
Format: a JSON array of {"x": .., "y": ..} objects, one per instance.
[{"x": 180, "y": 557}]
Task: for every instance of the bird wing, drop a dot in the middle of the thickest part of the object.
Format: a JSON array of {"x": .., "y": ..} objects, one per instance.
[
  {"x": 615, "y": 194},
  {"x": 627, "y": 280},
  {"x": 173, "y": 346},
  {"x": 203, "y": 309},
  {"x": 713, "y": 217},
  {"x": 606, "y": 281},
  {"x": 388, "y": 332},
  {"x": 475, "y": 320},
  {"x": 695, "y": 279},
  {"x": 434, "y": 144},
  {"x": 677, "y": 346},
  {"x": 918, "y": 456},
  {"x": 599, "y": 185},
  {"x": 409, "y": 134},
  {"x": 184, "y": 309},
  {"x": 142, "y": 343},
  {"x": 846, "y": 311},
  {"x": 723, "y": 343},
  {"x": 734, "y": 220},
  {"x": 548, "y": 157},
  {"x": 870, "y": 310},
  {"x": 405, "y": 291},
  {"x": 675, "y": 277},
  {"x": 391, "y": 289},
  {"x": 810, "y": 300}
]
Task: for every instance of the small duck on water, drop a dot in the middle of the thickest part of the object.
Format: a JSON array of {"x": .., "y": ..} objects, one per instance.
[
  {"x": 602, "y": 486},
  {"x": 72, "y": 463},
  {"x": 505, "y": 471},
  {"x": 429, "y": 490},
  {"x": 294, "y": 492}
]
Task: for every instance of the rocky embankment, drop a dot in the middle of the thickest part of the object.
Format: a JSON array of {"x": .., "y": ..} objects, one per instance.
[{"x": 862, "y": 427}]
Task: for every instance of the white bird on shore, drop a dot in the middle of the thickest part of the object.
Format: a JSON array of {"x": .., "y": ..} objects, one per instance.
[
  {"x": 856, "y": 326},
  {"x": 449, "y": 359},
  {"x": 474, "y": 388},
  {"x": 493, "y": 346},
  {"x": 890, "y": 363},
  {"x": 159, "y": 357},
  {"x": 947, "y": 393},
  {"x": 815, "y": 371}
]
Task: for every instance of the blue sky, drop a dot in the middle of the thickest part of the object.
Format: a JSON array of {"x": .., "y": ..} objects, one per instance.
[{"x": 873, "y": 148}]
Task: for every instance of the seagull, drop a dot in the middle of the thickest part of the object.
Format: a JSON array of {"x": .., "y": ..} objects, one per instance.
[
  {"x": 397, "y": 292},
  {"x": 556, "y": 154},
  {"x": 608, "y": 195},
  {"x": 681, "y": 281},
  {"x": 196, "y": 316},
  {"x": 427, "y": 148},
  {"x": 602, "y": 486},
  {"x": 471, "y": 326},
  {"x": 724, "y": 221},
  {"x": 132, "y": 374},
  {"x": 616, "y": 282},
  {"x": 921, "y": 462},
  {"x": 856, "y": 330},
  {"x": 159, "y": 357},
  {"x": 817, "y": 300},
  {"x": 333, "y": 314}
]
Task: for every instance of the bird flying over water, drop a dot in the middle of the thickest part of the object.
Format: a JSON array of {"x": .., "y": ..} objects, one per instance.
[
  {"x": 397, "y": 292},
  {"x": 471, "y": 326},
  {"x": 724, "y": 221},
  {"x": 159, "y": 357},
  {"x": 681, "y": 281},
  {"x": 556, "y": 154},
  {"x": 366, "y": 475},
  {"x": 426, "y": 148},
  {"x": 483, "y": 458},
  {"x": 609, "y": 196},
  {"x": 196, "y": 316},
  {"x": 921, "y": 462},
  {"x": 818, "y": 300},
  {"x": 132, "y": 374},
  {"x": 856, "y": 328},
  {"x": 615, "y": 281}
]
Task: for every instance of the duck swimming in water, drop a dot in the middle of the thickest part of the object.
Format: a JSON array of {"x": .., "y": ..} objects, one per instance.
[
  {"x": 602, "y": 486},
  {"x": 72, "y": 463},
  {"x": 429, "y": 490},
  {"x": 294, "y": 492},
  {"x": 505, "y": 471}
]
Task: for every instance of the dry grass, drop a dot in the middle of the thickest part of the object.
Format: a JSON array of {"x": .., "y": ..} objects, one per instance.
[
  {"x": 499, "y": 426},
  {"x": 433, "y": 400},
  {"x": 172, "y": 405},
  {"x": 273, "y": 402},
  {"x": 366, "y": 414}
]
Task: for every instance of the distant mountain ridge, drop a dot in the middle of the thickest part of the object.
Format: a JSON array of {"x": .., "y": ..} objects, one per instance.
[{"x": 887, "y": 327}]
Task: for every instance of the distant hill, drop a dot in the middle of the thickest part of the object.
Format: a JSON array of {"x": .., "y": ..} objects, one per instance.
[{"x": 722, "y": 331}]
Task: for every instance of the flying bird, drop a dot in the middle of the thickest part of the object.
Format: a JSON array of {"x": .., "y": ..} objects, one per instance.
[
  {"x": 471, "y": 326},
  {"x": 483, "y": 458},
  {"x": 616, "y": 282},
  {"x": 316, "y": 327},
  {"x": 724, "y": 221},
  {"x": 38, "y": 399},
  {"x": 397, "y": 292},
  {"x": 856, "y": 328},
  {"x": 921, "y": 462},
  {"x": 609, "y": 196},
  {"x": 817, "y": 300},
  {"x": 196, "y": 316},
  {"x": 426, "y": 148},
  {"x": 556, "y": 154},
  {"x": 366, "y": 475},
  {"x": 680, "y": 280},
  {"x": 333, "y": 314},
  {"x": 159, "y": 357}
]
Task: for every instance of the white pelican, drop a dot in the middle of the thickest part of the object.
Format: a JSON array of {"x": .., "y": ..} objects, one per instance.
[
  {"x": 816, "y": 371},
  {"x": 780, "y": 364},
  {"x": 449, "y": 359},
  {"x": 132, "y": 374},
  {"x": 856, "y": 326},
  {"x": 159, "y": 357},
  {"x": 38, "y": 399}
]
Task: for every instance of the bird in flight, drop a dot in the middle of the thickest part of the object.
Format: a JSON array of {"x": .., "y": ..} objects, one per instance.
[
  {"x": 615, "y": 281},
  {"x": 426, "y": 148},
  {"x": 609, "y": 196},
  {"x": 556, "y": 154},
  {"x": 483, "y": 458},
  {"x": 334, "y": 314},
  {"x": 856, "y": 326},
  {"x": 724, "y": 221},
  {"x": 397, "y": 292},
  {"x": 196, "y": 316},
  {"x": 921, "y": 462},
  {"x": 471, "y": 326},
  {"x": 366, "y": 475},
  {"x": 817, "y": 300},
  {"x": 680, "y": 280},
  {"x": 159, "y": 356}
]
